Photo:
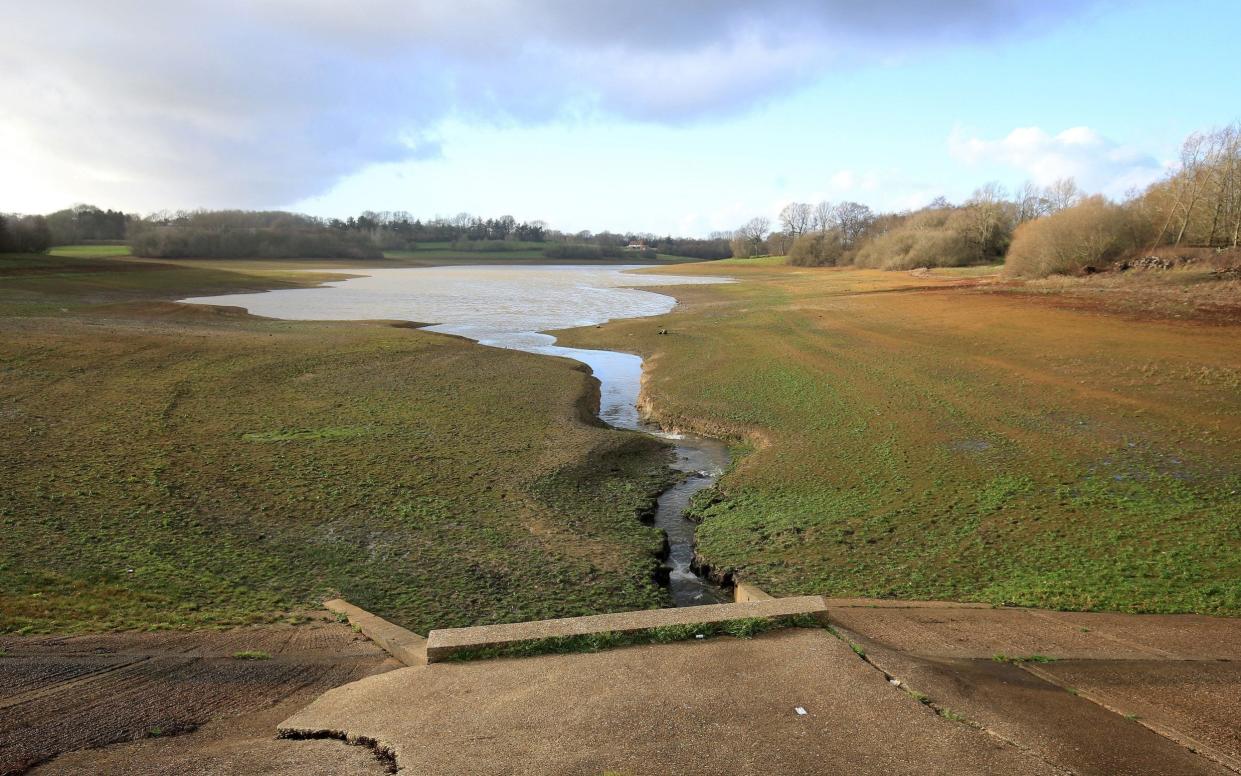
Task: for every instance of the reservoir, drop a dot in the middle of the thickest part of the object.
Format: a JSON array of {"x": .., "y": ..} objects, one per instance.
[{"x": 511, "y": 307}]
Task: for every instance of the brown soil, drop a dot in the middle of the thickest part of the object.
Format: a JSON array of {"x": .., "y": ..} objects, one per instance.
[{"x": 59, "y": 695}]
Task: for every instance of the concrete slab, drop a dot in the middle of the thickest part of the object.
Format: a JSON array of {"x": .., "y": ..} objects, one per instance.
[
  {"x": 1176, "y": 636},
  {"x": 442, "y": 644},
  {"x": 404, "y": 645},
  {"x": 720, "y": 705},
  {"x": 1195, "y": 703},
  {"x": 982, "y": 633},
  {"x": 1067, "y": 730}
]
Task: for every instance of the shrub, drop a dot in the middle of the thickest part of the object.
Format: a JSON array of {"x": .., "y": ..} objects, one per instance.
[
  {"x": 817, "y": 249},
  {"x": 938, "y": 236},
  {"x": 1086, "y": 236}
]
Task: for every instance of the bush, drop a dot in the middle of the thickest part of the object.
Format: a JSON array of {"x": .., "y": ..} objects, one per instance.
[
  {"x": 1087, "y": 236},
  {"x": 937, "y": 237},
  {"x": 818, "y": 249}
]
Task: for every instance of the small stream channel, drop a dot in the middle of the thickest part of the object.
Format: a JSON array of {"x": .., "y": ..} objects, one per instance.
[
  {"x": 702, "y": 459},
  {"x": 509, "y": 307}
]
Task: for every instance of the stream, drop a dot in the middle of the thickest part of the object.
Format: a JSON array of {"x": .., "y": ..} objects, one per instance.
[{"x": 510, "y": 307}]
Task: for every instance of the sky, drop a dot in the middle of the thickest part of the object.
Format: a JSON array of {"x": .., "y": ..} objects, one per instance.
[{"x": 648, "y": 115}]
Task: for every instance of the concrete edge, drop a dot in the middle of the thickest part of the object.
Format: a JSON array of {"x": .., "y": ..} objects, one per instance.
[
  {"x": 443, "y": 644},
  {"x": 744, "y": 592},
  {"x": 404, "y": 645}
]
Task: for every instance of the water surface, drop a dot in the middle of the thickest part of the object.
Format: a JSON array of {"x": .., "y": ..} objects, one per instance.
[{"x": 510, "y": 307}]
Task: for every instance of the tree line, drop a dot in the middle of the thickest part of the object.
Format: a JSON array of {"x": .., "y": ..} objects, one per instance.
[
  {"x": 24, "y": 234},
  {"x": 281, "y": 234},
  {"x": 1034, "y": 230}
]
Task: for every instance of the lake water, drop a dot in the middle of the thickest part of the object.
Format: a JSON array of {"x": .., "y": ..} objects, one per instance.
[{"x": 510, "y": 307}]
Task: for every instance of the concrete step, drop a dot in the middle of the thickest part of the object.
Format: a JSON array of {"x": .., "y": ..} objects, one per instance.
[
  {"x": 404, "y": 645},
  {"x": 443, "y": 644}
]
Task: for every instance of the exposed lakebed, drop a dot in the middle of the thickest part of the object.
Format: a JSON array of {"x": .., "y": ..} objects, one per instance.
[{"x": 510, "y": 307}]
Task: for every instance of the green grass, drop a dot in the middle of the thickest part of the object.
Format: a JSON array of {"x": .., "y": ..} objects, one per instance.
[
  {"x": 757, "y": 261},
  {"x": 251, "y": 654},
  {"x": 175, "y": 467},
  {"x": 89, "y": 251},
  {"x": 303, "y": 434},
  {"x": 916, "y": 438}
]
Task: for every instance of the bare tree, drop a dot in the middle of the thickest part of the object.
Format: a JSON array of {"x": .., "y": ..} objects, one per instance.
[
  {"x": 824, "y": 216},
  {"x": 989, "y": 221},
  {"x": 795, "y": 219},
  {"x": 752, "y": 234},
  {"x": 852, "y": 219},
  {"x": 1064, "y": 193},
  {"x": 1031, "y": 202}
]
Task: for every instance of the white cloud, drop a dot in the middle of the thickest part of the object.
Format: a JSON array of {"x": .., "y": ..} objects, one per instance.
[
  {"x": 259, "y": 102},
  {"x": 1098, "y": 163}
]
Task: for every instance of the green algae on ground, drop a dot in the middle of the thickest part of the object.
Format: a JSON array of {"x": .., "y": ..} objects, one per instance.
[
  {"x": 172, "y": 466},
  {"x": 934, "y": 435}
]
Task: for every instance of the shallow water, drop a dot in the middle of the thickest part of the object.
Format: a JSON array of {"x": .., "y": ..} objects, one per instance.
[{"x": 509, "y": 307}]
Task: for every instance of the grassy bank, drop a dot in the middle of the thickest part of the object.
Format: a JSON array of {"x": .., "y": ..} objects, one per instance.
[
  {"x": 184, "y": 466},
  {"x": 930, "y": 435}
]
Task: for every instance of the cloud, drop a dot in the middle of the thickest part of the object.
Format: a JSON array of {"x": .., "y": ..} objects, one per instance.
[
  {"x": 259, "y": 102},
  {"x": 1098, "y": 164}
]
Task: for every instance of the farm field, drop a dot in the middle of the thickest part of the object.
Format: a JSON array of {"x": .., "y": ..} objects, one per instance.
[
  {"x": 949, "y": 435},
  {"x": 175, "y": 466}
]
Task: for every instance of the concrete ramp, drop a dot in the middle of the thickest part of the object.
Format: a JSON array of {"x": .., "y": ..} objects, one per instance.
[
  {"x": 444, "y": 644},
  {"x": 795, "y": 701}
]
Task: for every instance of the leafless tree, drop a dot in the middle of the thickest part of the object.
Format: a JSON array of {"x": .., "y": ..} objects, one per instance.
[
  {"x": 1064, "y": 193},
  {"x": 988, "y": 211},
  {"x": 795, "y": 219},
  {"x": 852, "y": 219},
  {"x": 1031, "y": 202},
  {"x": 824, "y": 216},
  {"x": 752, "y": 234}
]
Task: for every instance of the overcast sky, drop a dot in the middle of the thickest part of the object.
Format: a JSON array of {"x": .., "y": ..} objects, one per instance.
[{"x": 649, "y": 115}]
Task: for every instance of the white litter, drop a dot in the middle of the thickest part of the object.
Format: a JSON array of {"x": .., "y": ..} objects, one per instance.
[
  {"x": 894, "y": 682},
  {"x": 699, "y": 636},
  {"x": 800, "y": 711}
]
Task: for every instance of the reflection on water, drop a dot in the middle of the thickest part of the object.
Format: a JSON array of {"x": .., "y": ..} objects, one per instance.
[{"x": 508, "y": 307}]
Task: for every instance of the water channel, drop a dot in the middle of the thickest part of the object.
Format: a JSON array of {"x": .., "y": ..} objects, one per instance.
[{"x": 510, "y": 307}]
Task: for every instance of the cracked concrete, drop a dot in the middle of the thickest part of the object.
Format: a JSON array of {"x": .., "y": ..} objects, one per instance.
[{"x": 714, "y": 706}]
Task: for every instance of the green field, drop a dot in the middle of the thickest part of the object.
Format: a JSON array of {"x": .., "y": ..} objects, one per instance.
[
  {"x": 529, "y": 253},
  {"x": 176, "y": 466},
  {"x": 932, "y": 436},
  {"x": 89, "y": 251}
]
